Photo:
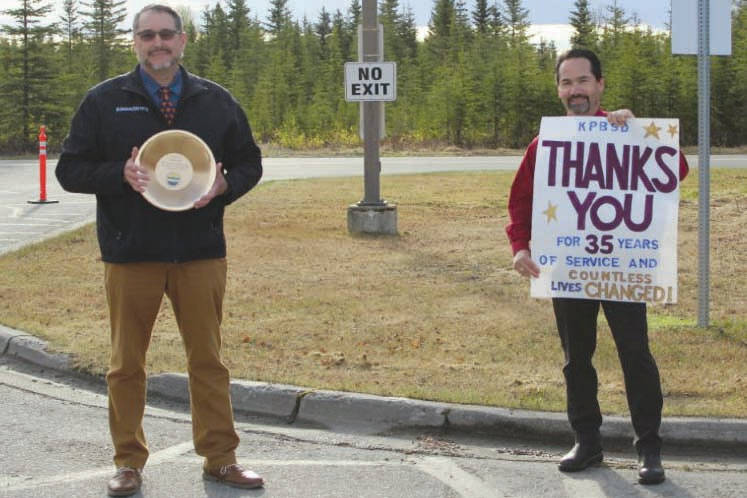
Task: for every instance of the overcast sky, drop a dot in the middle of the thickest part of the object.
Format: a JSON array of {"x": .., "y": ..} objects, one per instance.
[
  {"x": 653, "y": 12},
  {"x": 546, "y": 15}
]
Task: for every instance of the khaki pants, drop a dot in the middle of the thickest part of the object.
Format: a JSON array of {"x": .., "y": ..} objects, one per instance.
[{"x": 134, "y": 292}]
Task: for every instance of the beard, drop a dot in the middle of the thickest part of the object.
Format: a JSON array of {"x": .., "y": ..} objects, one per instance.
[
  {"x": 162, "y": 65},
  {"x": 579, "y": 104},
  {"x": 143, "y": 59}
]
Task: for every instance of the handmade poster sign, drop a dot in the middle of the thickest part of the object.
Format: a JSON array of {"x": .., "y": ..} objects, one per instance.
[{"x": 605, "y": 206}]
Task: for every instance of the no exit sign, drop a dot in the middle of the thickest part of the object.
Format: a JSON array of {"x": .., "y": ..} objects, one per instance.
[{"x": 370, "y": 81}]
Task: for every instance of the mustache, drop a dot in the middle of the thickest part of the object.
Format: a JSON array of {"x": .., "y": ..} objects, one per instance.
[
  {"x": 158, "y": 49},
  {"x": 579, "y": 96}
]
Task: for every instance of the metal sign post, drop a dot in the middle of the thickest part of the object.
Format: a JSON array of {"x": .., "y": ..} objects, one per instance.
[
  {"x": 704, "y": 155},
  {"x": 704, "y": 25},
  {"x": 372, "y": 214},
  {"x": 371, "y": 163}
]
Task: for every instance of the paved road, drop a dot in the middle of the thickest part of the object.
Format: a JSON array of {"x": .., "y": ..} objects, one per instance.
[
  {"x": 56, "y": 443},
  {"x": 22, "y": 223}
]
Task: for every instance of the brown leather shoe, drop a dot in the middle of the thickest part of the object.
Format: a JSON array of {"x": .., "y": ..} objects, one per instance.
[
  {"x": 126, "y": 482},
  {"x": 234, "y": 475}
]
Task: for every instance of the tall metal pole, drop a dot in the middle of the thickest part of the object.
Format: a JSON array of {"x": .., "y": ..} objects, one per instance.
[
  {"x": 371, "y": 110},
  {"x": 373, "y": 214},
  {"x": 704, "y": 155}
]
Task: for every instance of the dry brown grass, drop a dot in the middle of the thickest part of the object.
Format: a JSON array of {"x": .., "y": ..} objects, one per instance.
[{"x": 434, "y": 313}]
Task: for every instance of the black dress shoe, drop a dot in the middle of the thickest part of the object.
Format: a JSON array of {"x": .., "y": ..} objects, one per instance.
[
  {"x": 581, "y": 456},
  {"x": 650, "y": 470}
]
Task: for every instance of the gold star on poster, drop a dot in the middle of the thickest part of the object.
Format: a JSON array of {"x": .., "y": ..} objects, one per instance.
[
  {"x": 551, "y": 212},
  {"x": 652, "y": 130},
  {"x": 672, "y": 130}
]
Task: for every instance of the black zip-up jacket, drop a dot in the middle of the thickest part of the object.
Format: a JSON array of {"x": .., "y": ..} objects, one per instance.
[{"x": 117, "y": 115}]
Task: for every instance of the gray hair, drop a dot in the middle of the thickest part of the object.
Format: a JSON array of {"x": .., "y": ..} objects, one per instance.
[{"x": 163, "y": 9}]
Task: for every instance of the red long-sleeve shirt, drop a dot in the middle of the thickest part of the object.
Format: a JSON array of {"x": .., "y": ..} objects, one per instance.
[{"x": 519, "y": 228}]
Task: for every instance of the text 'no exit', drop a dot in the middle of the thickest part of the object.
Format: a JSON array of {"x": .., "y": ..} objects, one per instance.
[{"x": 370, "y": 81}]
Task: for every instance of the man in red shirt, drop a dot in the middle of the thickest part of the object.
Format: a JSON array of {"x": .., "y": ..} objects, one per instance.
[{"x": 580, "y": 86}]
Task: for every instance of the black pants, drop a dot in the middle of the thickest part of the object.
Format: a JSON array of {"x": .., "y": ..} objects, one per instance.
[{"x": 577, "y": 326}]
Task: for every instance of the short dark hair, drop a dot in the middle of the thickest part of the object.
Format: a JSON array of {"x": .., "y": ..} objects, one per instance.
[
  {"x": 164, "y": 9},
  {"x": 579, "y": 53}
]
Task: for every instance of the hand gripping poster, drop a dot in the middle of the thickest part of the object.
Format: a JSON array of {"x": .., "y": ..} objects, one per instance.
[{"x": 605, "y": 206}]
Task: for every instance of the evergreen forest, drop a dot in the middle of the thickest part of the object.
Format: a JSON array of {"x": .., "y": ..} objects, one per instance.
[{"x": 473, "y": 80}]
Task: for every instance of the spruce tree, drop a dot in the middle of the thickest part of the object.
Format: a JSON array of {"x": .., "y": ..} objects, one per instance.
[
  {"x": 615, "y": 23},
  {"x": 238, "y": 23},
  {"x": 727, "y": 73},
  {"x": 584, "y": 30},
  {"x": 70, "y": 27},
  {"x": 322, "y": 29},
  {"x": 104, "y": 34},
  {"x": 482, "y": 16},
  {"x": 28, "y": 89},
  {"x": 218, "y": 35},
  {"x": 249, "y": 60},
  {"x": 341, "y": 36},
  {"x": 197, "y": 56},
  {"x": 390, "y": 19},
  {"x": 517, "y": 21},
  {"x": 279, "y": 16},
  {"x": 75, "y": 75},
  {"x": 354, "y": 15},
  {"x": 497, "y": 24},
  {"x": 441, "y": 19},
  {"x": 407, "y": 32},
  {"x": 739, "y": 60}
]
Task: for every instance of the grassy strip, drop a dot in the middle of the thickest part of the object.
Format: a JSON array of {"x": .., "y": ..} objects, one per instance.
[{"x": 434, "y": 313}]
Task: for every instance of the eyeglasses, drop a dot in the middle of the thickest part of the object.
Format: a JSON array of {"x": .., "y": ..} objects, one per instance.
[{"x": 164, "y": 34}]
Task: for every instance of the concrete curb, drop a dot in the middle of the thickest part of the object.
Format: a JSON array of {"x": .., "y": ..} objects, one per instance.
[
  {"x": 344, "y": 411},
  {"x": 29, "y": 348}
]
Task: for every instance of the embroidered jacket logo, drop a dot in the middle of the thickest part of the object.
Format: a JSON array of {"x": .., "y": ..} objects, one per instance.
[{"x": 134, "y": 108}]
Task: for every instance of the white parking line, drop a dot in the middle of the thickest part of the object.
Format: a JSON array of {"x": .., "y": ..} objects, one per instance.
[
  {"x": 461, "y": 481},
  {"x": 176, "y": 452},
  {"x": 588, "y": 487},
  {"x": 28, "y": 224},
  {"x": 55, "y": 220},
  {"x": 15, "y": 212},
  {"x": 165, "y": 455},
  {"x": 305, "y": 463}
]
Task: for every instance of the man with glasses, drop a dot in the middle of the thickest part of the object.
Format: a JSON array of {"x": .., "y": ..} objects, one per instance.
[{"x": 148, "y": 251}]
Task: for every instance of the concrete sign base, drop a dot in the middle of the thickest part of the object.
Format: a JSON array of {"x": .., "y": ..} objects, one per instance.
[{"x": 372, "y": 219}]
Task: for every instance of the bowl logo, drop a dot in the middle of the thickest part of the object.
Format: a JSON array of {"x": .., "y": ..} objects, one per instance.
[{"x": 173, "y": 178}]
